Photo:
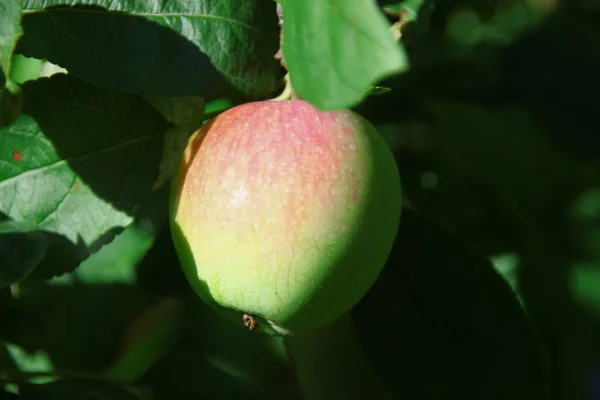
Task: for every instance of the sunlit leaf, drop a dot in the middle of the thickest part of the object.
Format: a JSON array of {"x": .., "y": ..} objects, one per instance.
[
  {"x": 10, "y": 31},
  {"x": 335, "y": 51},
  {"x": 78, "y": 162}
]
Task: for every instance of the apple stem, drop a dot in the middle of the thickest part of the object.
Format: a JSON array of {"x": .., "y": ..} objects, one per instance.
[
  {"x": 288, "y": 91},
  {"x": 330, "y": 364},
  {"x": 403, "y": 17}
]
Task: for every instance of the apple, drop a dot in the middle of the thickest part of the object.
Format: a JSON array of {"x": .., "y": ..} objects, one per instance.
[{"x": 283, "y": 215}]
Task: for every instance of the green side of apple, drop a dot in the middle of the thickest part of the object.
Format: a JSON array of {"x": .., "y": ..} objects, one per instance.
[{"x": 361, "y": 255}]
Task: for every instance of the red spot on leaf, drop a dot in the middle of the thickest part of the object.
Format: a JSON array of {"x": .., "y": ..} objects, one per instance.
[{"x": 17, "y": 155}]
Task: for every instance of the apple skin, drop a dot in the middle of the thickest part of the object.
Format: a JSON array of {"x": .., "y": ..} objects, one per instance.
[{"x": 284, "y": 213}]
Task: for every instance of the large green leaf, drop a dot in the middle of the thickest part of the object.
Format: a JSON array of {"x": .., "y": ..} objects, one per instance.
[
  {"x": 22, "y": 247},
  {"x": 10, "y": 31},
  {"x": 78, "y": 162},
  {"x": 336, "y": 50},
  {"x": 208, "y": 48},
  {"x": 442, "y": 323}
]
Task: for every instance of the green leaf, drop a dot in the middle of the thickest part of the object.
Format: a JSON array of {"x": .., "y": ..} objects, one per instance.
[
  {"x": 217, "y": 106},
  {"x": 179, "y": 110},
  {"x": 30, "y": 362},
  {"x": 329, "y": 364},
  {"x": 585, "y": 284},
  {"x": 496, "y": 151},
  {"x": 174, "y": 144},
  {"x": 584, "y": 238},
  {"x": 336, "y": 50},
  {"x": 187, "y": 113},
  {"x": 10, "y": 106},
  {"x": 149, "y": 336},
  {"x": 466, "y": 28},
  {"x": 22, "y": 247},
  {"x": 440, "y": 312},
  {"x": 10, "y": 31},
  {"x": 116, "y": 261},
  {"x": 6, "y": 360},
  {"x": 78, "y": 163},
  {"x": 25, "y": 68},
  {"x": 82, "y": 327},
  {"x": 377, "y": 90},
  {"x": 208, "y": 48},
  {"x": 215, "y": 359}
]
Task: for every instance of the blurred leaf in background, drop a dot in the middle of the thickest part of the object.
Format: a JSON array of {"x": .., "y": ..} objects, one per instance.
[{"x": 441, "y": 314}]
